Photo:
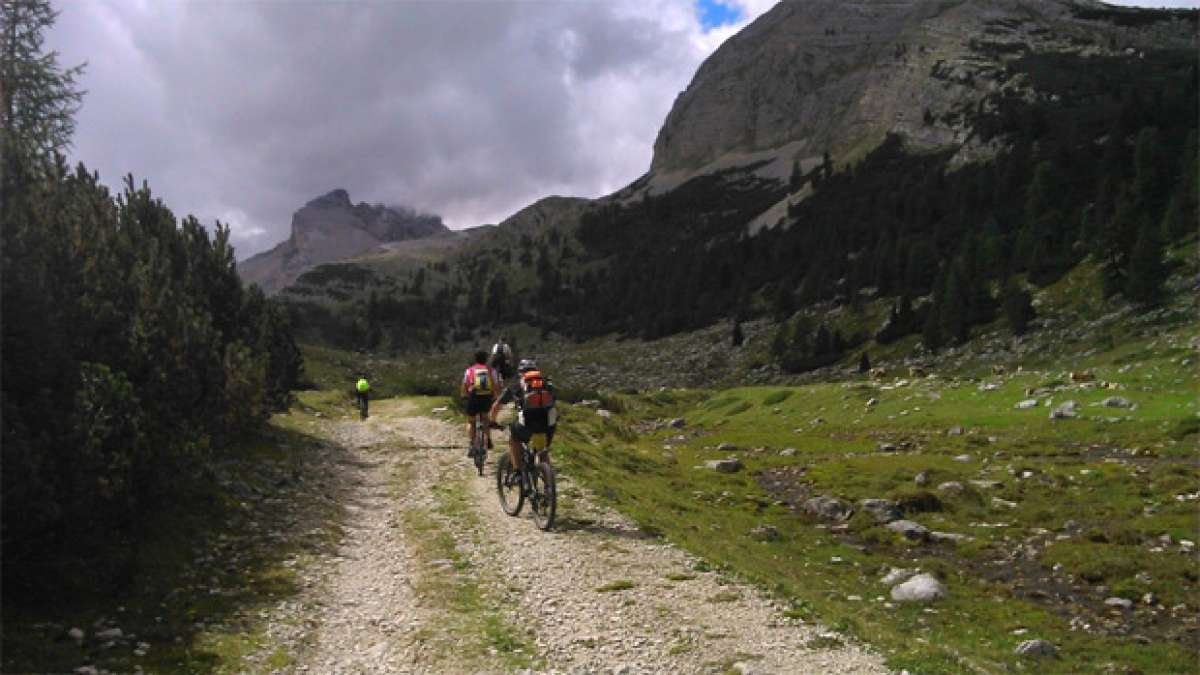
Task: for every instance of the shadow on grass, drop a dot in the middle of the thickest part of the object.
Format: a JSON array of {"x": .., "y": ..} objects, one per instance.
[{"x": 191, "y": 580}]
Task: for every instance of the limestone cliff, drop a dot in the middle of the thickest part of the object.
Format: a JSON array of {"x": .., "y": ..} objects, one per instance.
[
  {"x": 832, "y": 75},
  {"x": 331, "y": 228}
]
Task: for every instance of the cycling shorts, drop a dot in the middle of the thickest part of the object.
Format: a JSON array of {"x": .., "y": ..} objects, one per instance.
[
  {"x": 523, "y": 434},
  {"x": 478, "y": 404}
]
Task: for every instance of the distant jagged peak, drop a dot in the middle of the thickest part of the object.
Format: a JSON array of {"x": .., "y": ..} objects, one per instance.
[{"x": 333, "y": 198}]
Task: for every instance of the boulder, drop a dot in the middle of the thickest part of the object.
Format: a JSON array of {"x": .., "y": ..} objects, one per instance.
[
  {"x": 882, "y": 510},
  {"x": 942, "y": 537},
  {"x": 1026, "y": 404},
  {"x": 604, "y": 413},
  {"x": 987, "y": 484},
  {"x": 1116, "y": 402},
  {"x": 952, "y": 486},
  {"x": 911, "y": 530},
  {"x": 1067, "y": 410},
  {"x": 828, "y": 508},
  {"x": 956, "y": 431},
  {"x": 677, "y": 423},
  {"x": 1120, "y": 603},
  {"x": 726, "y": 447},
  {"x": 897, "y": 575},
  {"x": 76, "y": 634},
  {"x": 920, "y": 588},
  {"x": 730, "y": 465},
  {"x": 922, "y": 478},
  {"x": 1036, "y": 648},
  {"x": 787, "y": 452},
  {"x": 109, "y": 634},
  {"x": 887, "y": 447}
]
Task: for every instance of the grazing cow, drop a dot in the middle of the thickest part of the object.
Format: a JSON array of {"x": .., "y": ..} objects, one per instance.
[
  {"x": 878, "y": 373},
  {"x": 917, "y": 371},
  {"x": 1082, "y": 376}
]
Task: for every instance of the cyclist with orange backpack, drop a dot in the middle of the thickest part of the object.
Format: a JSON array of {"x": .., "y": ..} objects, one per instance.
[
  {"x": 480, "y": 386},
  {"x": 536, "y": 413}
]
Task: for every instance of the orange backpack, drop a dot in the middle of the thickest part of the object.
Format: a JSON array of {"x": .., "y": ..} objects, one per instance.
[{"x": 536, "y": 395}]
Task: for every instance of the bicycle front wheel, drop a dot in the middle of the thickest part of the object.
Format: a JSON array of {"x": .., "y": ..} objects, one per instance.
[
  {"x": 544, "y": 501},
  {"x": 508, "y": 486}
]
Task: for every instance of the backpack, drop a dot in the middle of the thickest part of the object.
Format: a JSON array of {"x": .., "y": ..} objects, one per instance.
[
  {"x": 500, "y": 355},
  {"x": 536, "y": 393},
  {"x": 479, "y": 382}
]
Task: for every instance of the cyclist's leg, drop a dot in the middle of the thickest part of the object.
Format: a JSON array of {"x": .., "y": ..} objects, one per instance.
[{"x": 514, "y": 445}]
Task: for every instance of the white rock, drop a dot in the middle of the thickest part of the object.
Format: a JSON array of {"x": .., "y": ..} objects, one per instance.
[
  {"x": 921, "y": 588},
  {"x": 730, "y": 465},
  {"x": 897, "y": 575},
  {"x": 76, "y": 634},
  {"x": 1036, "y": 648},
  {"x": 604, "y": 413},
  {"x": 1026, "y": 404}
]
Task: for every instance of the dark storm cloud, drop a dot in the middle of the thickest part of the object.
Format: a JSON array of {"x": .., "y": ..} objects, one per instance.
[{"x": 244, "y": 111}]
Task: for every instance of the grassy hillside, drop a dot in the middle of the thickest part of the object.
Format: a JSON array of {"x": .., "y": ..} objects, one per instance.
[{"x": 1065, "y": 514}]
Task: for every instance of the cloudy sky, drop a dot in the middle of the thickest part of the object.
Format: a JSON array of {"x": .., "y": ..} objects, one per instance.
[{"x": 471, "y": 109}]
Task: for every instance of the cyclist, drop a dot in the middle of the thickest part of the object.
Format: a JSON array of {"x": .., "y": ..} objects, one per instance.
[
  {"x": 536, "y": 414},
  {"x": 479, "y": 388},
  {"x": 362, "y": 392},
  {"x": 502, "y": 358}
]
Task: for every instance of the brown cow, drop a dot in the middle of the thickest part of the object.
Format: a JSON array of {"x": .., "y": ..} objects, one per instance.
[
  {"x": 1082, "y": 376},
  {"x": 878, "y": 373}
]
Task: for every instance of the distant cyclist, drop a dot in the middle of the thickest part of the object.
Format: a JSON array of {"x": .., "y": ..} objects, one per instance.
[
  {"x": 480, "y": 387},
  {"x": 362, "y": 394},
  {"x": 502, "y": 358},
  {"x": 536, "y": 413}
]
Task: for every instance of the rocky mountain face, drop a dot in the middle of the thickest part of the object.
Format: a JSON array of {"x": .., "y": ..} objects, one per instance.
[
  {"x": 830, "y": 75},
  {"x": 332, "y": 228}
]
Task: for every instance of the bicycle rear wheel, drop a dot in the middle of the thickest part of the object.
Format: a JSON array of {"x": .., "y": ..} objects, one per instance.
[
  {"x": 544, "y": 501},
  {"x": 508, "y": 486},
  {"x": 479, "y": 452}
]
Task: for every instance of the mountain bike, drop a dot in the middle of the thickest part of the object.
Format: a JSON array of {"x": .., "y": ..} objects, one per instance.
[
  {"x": 479, "y": 443},
  {"x": 362, "y": 406},
  {"x": 534, "y": 482}
]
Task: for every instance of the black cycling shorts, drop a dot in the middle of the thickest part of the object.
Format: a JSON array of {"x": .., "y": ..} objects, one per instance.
[
  {"x": 523, "y": 434},
  {"x": 478, "y": 404}
]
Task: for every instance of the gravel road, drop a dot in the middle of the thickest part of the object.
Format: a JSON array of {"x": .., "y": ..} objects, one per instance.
[{"x": 502, "y": 596}]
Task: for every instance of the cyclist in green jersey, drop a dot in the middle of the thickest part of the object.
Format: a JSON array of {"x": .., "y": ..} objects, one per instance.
[{"x": 362, "y": 392}]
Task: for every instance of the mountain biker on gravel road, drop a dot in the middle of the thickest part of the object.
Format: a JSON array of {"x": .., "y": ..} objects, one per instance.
[
  {"x": 502, "y": 359},
  {"x": 479, "y": 388},
  {"x": 362, "y": 394},
  {"x": 536, "y": 414}
]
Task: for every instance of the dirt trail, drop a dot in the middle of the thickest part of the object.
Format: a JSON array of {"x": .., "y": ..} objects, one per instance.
[{"x": 531, "y": 599}]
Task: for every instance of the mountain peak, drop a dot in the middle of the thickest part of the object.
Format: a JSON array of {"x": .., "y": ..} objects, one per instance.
[{"x": 334, "y": 198}]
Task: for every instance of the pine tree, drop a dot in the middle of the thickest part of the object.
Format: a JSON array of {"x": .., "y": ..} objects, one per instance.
[
  {"x": 864, "y": 363},
  {"x": 952, "y": 314},
  {"x": 1018, "y": 307},
  {"x": 38, "y": 98},
  {"x": 1147, "y": 270},
  {"x": 931, "y": 335},
  {"x": 738, "y": 337}
]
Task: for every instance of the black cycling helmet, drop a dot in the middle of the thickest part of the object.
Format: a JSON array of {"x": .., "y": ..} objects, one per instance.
[{"x": 526, "y": 365}]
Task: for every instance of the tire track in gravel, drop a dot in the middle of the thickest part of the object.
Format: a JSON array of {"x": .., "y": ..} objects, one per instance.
[{"x": 672, "y": 618}]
